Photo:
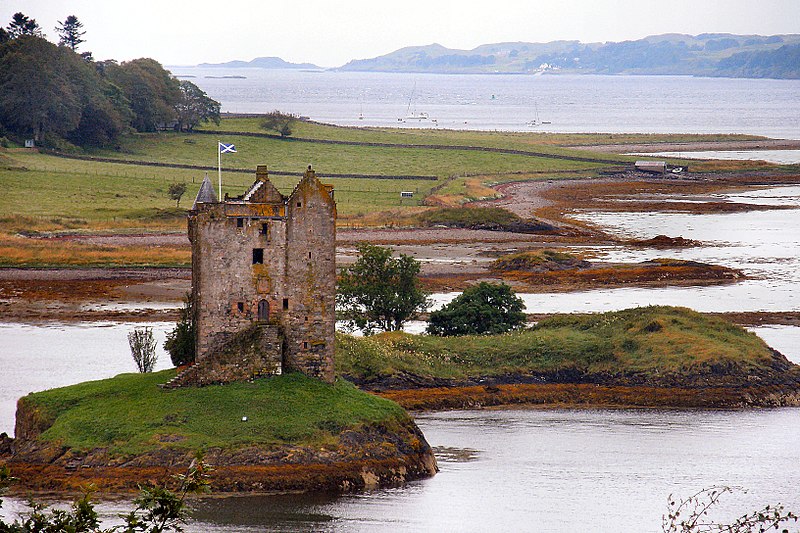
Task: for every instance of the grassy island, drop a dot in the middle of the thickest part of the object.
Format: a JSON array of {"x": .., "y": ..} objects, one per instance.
[
  {"x": 299, "y": 434},
  {"x": 671, "y": 356}
]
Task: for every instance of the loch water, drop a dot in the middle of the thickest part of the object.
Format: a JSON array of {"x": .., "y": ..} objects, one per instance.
[
  {"x": 570, "y": 103},
  {"x": 526, "y": 469}
]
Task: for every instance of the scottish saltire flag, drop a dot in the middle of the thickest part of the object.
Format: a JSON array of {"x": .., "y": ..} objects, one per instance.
[{"x": 227, "y": 148}]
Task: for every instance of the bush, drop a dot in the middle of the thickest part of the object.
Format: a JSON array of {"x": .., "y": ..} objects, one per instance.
[
  {"x": 483, "y": 308},
  {"x": 180, "y": 341},
  {"x": 143, "y": 348}
]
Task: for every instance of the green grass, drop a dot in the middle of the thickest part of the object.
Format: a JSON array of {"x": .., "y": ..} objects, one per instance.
[
  {"x": 463, "y": 217},
  {"x": 130, "y": 414},
  {"x": 38, "y": 185},
  {"x": 652, "y": 340},
  {"x": 515, "y": 140}
]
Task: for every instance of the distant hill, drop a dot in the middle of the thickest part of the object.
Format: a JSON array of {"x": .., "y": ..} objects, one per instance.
[
  {"x": 708, "y": 54},
  {"x": 262, "y": 62}
]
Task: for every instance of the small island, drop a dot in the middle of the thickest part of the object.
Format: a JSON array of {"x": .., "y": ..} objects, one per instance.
[{"x": 654, "y": 356}]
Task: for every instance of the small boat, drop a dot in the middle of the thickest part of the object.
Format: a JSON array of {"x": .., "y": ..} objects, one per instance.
[
  {"x": 536, "y": 122},
  {"x": 413, "y": 116}
]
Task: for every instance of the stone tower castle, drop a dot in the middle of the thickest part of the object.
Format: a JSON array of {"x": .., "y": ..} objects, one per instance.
[{"x": 263, "y": 282}]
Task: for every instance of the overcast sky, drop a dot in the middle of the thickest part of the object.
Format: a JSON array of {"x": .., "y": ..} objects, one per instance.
[{"x": 330, "y": 33}]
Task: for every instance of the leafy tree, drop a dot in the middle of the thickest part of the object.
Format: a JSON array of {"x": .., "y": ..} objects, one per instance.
[
  {"x": 176, "y": 191},
  {"x": 41, "y": 87},
  {"x": 483, "y": 308},
  {"x": 152, "y": 92},
  {"x": 22, "y": 25},
  {"x": 194, "y": 107},
  {"x": 379, "y": 291},
  {"x": 4, "y": 37},
  {"x": 180, "y": 341},
  {"x": 279, "y": 122},
  {"x": 70, "y": 32}
]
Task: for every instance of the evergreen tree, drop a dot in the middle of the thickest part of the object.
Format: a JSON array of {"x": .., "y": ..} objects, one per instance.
[
  {"x": 70, "y": 32},
  {"x": 23, "y": 25}
]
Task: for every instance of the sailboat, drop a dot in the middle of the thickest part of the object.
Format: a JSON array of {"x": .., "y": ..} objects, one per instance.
[
  {"x": 536, "y": 122},
  {"x": 413, "y": 115}
]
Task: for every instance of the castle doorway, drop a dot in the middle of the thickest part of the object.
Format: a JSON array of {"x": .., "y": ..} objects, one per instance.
[{"x": 263, "y": 311}]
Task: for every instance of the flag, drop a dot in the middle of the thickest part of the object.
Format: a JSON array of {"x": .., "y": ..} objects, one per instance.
[{"x": 227, "y": 148}]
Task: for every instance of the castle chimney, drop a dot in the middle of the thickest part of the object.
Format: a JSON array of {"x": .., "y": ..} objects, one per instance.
[{"x": 261, "y": 173}]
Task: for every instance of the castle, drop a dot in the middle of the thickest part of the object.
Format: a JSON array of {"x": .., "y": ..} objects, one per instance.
[{"x": 263, "y": 282}]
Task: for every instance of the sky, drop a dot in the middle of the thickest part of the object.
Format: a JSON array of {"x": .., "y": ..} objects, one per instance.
[{"x": 330, "y": 33}]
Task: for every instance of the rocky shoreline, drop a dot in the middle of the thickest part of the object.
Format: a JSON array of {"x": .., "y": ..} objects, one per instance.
[{"x": 371, "y": 456}]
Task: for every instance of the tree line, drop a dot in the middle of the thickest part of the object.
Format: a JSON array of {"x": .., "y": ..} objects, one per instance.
[{"x": 54, "y": 94}]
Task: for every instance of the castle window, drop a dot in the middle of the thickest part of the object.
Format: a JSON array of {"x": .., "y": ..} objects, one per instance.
[
  {"x": 258, "y": 256},
  {"x": 305, "y": 346},
  {"x": 309, "y": 255},
  {"x": 286, "y": 303},
  {"x": 240, "y": 306},
  {"x": 239, "y": 222},
  {"x": 299, "y": 204},
  {"x": 265, "y": 229}
]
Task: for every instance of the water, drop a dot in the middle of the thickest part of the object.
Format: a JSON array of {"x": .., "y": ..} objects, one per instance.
[
  {"x": 784, "y": 157},
  {"x": 548, "y": 470},
  {"x": 525, "y": 469},
  {"x": 765, "y": 245},
  {"x": 573, "y": 103},
  {"x": 46, "y": 356}
]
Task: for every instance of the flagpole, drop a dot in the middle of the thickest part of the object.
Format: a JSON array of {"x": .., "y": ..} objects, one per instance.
[{"x": 219, "y": 168}]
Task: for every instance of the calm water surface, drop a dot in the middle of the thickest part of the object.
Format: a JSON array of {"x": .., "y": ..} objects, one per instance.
[
  {"x": 548, "y": 470},
  {"x": 572, "y": 103}
]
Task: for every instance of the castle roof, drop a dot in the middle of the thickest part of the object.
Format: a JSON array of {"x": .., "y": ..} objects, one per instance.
[{"x": 205, "y": 194}]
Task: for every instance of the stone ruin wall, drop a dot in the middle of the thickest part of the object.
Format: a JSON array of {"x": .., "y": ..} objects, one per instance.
[{"x": 299, "y": 289}]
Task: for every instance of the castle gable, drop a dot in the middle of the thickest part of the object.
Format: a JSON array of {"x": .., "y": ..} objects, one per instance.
[
  {"x": 263, "y": 191},
  {"x": 310, "y": 187}
]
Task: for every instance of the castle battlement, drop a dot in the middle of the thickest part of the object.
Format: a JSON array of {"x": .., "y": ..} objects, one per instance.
[{"x": 263, "y": 281}]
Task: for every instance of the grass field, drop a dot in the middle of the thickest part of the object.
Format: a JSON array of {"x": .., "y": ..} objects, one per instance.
[
  {"x": 102, "y": 193},
  {"x": 130, "y": 414},
  {"x": 651, "y": 340}
]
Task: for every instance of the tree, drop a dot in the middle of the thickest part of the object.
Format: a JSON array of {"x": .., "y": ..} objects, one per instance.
[
  {"x": 483, "y": 308},
  {"x": 41, "y": 87},
  {"x": 176, "y": 191},
  {"x": 143, "y": 349},
  {"x": 279, "y": 122},
  {"x": 180, "y": 341},
  {"x": 22, "y": 25},
  {"x": 194, "y": 107},
  {"x": 152, "y": 92},
  {"x": 379, "y": 291},
  {"x": 70, "y": 32}
]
